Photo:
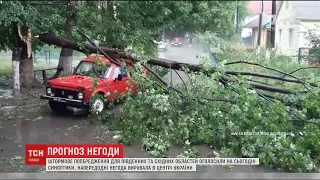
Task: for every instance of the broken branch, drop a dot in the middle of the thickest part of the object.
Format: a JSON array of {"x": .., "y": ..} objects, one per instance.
[
  {"x": 256, "y": 64},
  {"x": 302, "y": 69},
  {"x": 263, "y": 76}
]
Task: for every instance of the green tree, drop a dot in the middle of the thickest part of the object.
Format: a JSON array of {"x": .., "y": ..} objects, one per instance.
[
  {"x": 313, "y": 38},
  {"x": 124, "y": 23},
  {"x": 214, "y": 16},
  {"x": 120, "y": 24},
  {"x": 19, "y": 21},
  {"x": 65, "y": 58}
]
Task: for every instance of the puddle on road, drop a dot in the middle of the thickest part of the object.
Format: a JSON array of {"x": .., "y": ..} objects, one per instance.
[
  {"x": 6, "y": 110},
  {"x": 5, "y": 93}
]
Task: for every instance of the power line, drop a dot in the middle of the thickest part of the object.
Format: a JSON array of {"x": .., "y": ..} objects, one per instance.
[{"x": 273, "y": 23}]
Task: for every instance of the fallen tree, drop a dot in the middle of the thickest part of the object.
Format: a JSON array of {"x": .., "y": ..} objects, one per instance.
[
  {"x": 115, "y": 55},
  {"x": 161, "y": 118},
  {"x": 87, "y": 49}
]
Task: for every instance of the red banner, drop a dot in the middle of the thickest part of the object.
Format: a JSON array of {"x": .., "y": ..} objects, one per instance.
[{"x": 36, "y": 154}]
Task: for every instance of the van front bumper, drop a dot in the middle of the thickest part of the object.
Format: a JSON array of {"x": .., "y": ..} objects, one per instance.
[{"x": 69, "y": 102}]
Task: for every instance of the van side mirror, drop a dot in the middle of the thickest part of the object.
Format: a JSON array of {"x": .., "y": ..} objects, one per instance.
[{"x": 119, "y": 77}]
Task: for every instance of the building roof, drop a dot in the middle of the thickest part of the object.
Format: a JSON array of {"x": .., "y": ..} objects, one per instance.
[
  {"x": 254, "y": 7},
  {"x": 255, "y": 21},
  {"x": 309, "y": 10},
  {"x": 311, "y": 13}
]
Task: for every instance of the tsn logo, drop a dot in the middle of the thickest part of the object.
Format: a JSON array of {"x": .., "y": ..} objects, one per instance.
[{"x": 35, "y": 155}]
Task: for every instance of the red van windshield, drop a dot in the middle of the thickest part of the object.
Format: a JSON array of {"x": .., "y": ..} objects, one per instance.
[{"x": 86, "y": 68}]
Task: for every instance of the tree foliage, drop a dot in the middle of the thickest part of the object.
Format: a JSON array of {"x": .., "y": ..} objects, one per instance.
[
  {"x": 162, "y": 120},
  {"x": 214, "y": 16},
  {"x": 37, "y": 18},
  {"x": 313, "y": 38},
  {"x": 138, "y": 23},
  {"x": 127, "y": 23},
  {"x": 121, "y": 23}
]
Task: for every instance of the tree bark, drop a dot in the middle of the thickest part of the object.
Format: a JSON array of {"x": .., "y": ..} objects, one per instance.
[
  {"x": 109, "y": 6},
  {"x": 65, "y": 58},
  {"x": 109, "y": 44},
  {"x": 26, "y": 61},
  {"x": 15, "y": 71},
  {"x": 26, "y": 68},
  {"x": 65, "y": 62},
  {"x": 87, "y": 49}
]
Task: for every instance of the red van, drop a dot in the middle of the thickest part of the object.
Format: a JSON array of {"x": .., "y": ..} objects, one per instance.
[{"x": 77, "y": 90}]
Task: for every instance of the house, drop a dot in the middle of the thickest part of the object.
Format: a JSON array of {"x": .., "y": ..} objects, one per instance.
[
  {"x": 293, "y": 19},
  {"x": 265, "y": 30},
  {"x": 254, "y": 8}
]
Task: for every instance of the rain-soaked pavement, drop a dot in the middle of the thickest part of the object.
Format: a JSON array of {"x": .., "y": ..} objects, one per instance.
[{"x": 30, "y": 120}]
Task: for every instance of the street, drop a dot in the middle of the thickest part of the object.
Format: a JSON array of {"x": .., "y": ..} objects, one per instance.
[{"x": 184, "y": 54}]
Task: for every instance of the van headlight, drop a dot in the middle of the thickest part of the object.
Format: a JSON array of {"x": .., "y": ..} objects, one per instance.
[
  {"x": 49, "y": 90},
  {"x": 80, "y": 95}
]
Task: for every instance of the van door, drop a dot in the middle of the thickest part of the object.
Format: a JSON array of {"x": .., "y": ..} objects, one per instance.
[
  {"x": 119, "y": 86},
  {"x": 125, "y": 79}
]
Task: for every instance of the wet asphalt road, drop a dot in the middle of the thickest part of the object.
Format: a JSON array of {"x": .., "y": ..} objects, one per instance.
[
  {"x": 31, "y": 121},
  {"x": 184, "y": 54}
]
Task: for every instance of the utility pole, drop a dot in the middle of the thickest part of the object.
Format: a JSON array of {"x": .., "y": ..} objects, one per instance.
[
  {"x": 238, "y": 18},
  {"x": 260, "y": 27},
  {"x": 273, "y": 24}
]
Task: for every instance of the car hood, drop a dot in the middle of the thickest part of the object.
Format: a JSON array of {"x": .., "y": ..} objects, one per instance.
[{"x": 73, "y": 81}]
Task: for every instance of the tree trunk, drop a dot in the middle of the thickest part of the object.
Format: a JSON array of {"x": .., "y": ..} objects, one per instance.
[
  {"x": 26, "y": 68},
  {"x": 26, "y": 61},
  {"x": 15, "y": 71},
  {"x": 65, "y": 58},
  {"x": 65, "y": 62},
  {"x": 34, "y": 56},
  {"x": 109, "y": 44},
  {"x": 51, "y": 39}
]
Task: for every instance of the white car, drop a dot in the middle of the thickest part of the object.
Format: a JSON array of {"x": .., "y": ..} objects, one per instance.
[{"x": 162, "y": 45}]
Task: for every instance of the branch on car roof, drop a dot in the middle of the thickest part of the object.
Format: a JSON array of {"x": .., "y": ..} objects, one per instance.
[{"x": 112, "y": 59}]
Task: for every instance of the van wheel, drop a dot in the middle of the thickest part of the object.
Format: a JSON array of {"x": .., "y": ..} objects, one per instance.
[
  {"x": 57, "y": 106},
  {"x": 97, "y": 104}
]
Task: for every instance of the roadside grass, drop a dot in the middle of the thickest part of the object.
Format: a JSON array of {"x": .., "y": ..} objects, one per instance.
[
  {"x": 40, "y": 63},
  {"x": 5, "y": 66}
]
